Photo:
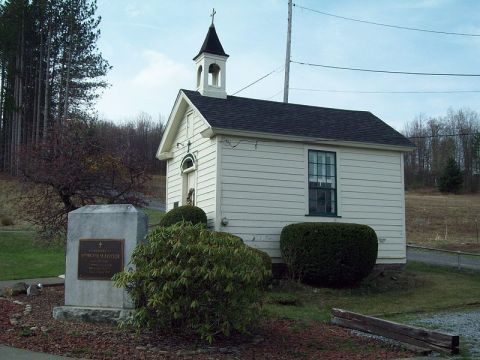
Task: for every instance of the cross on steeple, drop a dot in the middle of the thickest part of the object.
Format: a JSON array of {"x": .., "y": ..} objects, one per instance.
[{"x": 213, "y": 15}]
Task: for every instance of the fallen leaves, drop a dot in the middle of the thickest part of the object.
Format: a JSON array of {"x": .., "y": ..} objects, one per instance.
[{"x": 36, "y": 330}]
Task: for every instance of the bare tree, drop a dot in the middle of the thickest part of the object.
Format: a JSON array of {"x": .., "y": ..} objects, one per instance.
[
  {"x": 78, "y": 165},
  {"x": 437, "y": 140}
]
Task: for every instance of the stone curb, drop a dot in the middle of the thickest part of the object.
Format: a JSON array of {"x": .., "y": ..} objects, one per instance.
[{"x": 46, "y": 282}]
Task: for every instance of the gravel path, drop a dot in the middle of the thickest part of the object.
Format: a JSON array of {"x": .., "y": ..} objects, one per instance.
[
  {"x": 465, "y": 323},
  {"x": 443, "y": 258}
]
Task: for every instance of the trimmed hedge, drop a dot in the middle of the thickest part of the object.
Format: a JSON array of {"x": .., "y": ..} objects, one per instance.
[
  {"x": 191, "y": 280},
  {"x": 187, "y": 213},
  {"x": 329, "y": 254}
]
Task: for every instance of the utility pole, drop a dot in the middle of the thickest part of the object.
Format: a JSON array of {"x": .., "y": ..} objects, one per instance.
[{"x": 287, "y": 56}]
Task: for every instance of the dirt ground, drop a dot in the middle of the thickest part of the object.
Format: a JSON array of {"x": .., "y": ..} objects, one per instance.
[
  {"x": 443, "y": 221},
  {"x": 274, "y": 339}
]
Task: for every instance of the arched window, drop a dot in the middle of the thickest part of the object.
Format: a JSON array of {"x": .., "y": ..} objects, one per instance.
[
  {"x": 199, "y": 75},
  {"x": 214, "y": 75},
  {"x": 188, "y": 164},
  {"x": 189, "y": 179}
]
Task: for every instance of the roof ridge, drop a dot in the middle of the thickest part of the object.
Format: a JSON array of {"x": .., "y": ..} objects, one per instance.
[
  {"x": 266, "y": 116},
  {"x": 288, "y": 104}
]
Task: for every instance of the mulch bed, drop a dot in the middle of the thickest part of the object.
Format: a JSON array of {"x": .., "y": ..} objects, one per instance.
[{"x": 276, "y": 339}]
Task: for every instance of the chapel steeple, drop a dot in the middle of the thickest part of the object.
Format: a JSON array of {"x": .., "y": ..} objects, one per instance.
[{"x": 211, "y": 65}]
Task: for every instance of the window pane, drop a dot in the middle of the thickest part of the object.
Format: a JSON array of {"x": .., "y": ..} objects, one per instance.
[
  {"x": 332, "y": 182},
  {"x": 330, "y": 158},
  {"x": 321, "y": 157},
  {"x": 321, "y": 182},
  {"x": 332, "y": 170},
  {"x": 312, "y": 201},
  {"x": 333, "y": 208},
  {"x": 321, "y": 169}
]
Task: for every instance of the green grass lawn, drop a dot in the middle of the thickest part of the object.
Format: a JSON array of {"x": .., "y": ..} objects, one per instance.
[
  {"x": 22, "y": 257},
  {"x": 154, "y": 216},
  {"x": 420, "y": 288}
]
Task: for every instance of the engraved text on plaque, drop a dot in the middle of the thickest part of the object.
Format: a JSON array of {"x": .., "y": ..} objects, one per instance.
[{"x": 99, "y": 259}]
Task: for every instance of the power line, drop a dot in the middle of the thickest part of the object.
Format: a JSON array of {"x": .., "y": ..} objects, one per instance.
[
  {"x": 442, "y": 135},
  {"x": 387, "y": 25},
  {"x": 385, "y": 71},
  {"x": 387, "y": 92},
  {"x": 259, "y": 79},
  {"x": 277, "y": 93}
]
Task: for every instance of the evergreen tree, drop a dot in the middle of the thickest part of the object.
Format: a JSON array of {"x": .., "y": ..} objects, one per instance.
[
  {"x": 452, "y": 178},
  {"x": 50, "y": 70}
]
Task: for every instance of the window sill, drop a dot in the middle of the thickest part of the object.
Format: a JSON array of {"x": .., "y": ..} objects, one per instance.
[{"x": 324, "y": 215}]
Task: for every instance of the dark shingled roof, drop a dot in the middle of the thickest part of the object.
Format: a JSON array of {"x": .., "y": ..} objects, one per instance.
[
  {"x": 237, "y": 113},
  {"x": 211, "y": 44}
]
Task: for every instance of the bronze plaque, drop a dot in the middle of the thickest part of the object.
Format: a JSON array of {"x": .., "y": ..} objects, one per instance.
[{"x": 99, "y": 259}]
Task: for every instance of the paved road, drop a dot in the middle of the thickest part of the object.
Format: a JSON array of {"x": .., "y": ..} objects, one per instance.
[
  {"x": 443, "y": 258},
  {"x": 10, "y": 353}
]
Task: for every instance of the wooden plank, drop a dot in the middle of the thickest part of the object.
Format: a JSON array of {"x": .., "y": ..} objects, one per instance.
[
  {"x": 443, "y": 339},
  {"x": 371, "y": 330},
  {"x": 416, "y": 336}
]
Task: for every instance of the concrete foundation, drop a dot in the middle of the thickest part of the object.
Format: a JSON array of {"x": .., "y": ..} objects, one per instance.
[{"x": 91, "y": 315}]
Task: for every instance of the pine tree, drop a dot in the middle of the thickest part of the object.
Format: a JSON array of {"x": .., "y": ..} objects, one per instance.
[
  {"x": 50, "y": 69},
  {"x": 452, "y": 178}
]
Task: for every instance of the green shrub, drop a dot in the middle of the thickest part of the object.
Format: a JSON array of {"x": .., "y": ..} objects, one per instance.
[
  {"x": 189, "y": 279},
  {"x": 267, "y": 263},
  {"x": 329, "y": 254},
  {"x": 6, "y": 221},
  {"x": 189, "y": 213}
]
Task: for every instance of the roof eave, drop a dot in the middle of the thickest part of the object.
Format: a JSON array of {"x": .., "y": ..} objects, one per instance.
[
  {"x": 226, "y": 56},
  {"x": 305, "y": 139}
]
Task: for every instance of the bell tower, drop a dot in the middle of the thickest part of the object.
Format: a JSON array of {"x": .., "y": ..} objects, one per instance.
[{"x": 211, "y": 65}]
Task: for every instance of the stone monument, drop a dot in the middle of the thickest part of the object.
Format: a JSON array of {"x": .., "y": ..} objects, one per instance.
[{"x": 100, "y": 242}]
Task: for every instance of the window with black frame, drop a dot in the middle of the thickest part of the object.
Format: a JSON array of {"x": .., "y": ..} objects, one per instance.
[{"x": 322, "y": 183}]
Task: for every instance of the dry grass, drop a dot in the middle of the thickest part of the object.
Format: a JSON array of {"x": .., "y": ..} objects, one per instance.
[
  {"x": 443, "y": 221},
  {"x": 10, "y": 189},
  {"x": 155, "y": 188}
]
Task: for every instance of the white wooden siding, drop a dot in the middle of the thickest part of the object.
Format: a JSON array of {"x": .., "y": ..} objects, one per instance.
[
  {"x": 264, "y": 187},
  {"x": 205, "y": 151}
]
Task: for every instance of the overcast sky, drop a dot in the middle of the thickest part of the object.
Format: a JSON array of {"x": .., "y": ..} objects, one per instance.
[{"x": 151, "y": 43}]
